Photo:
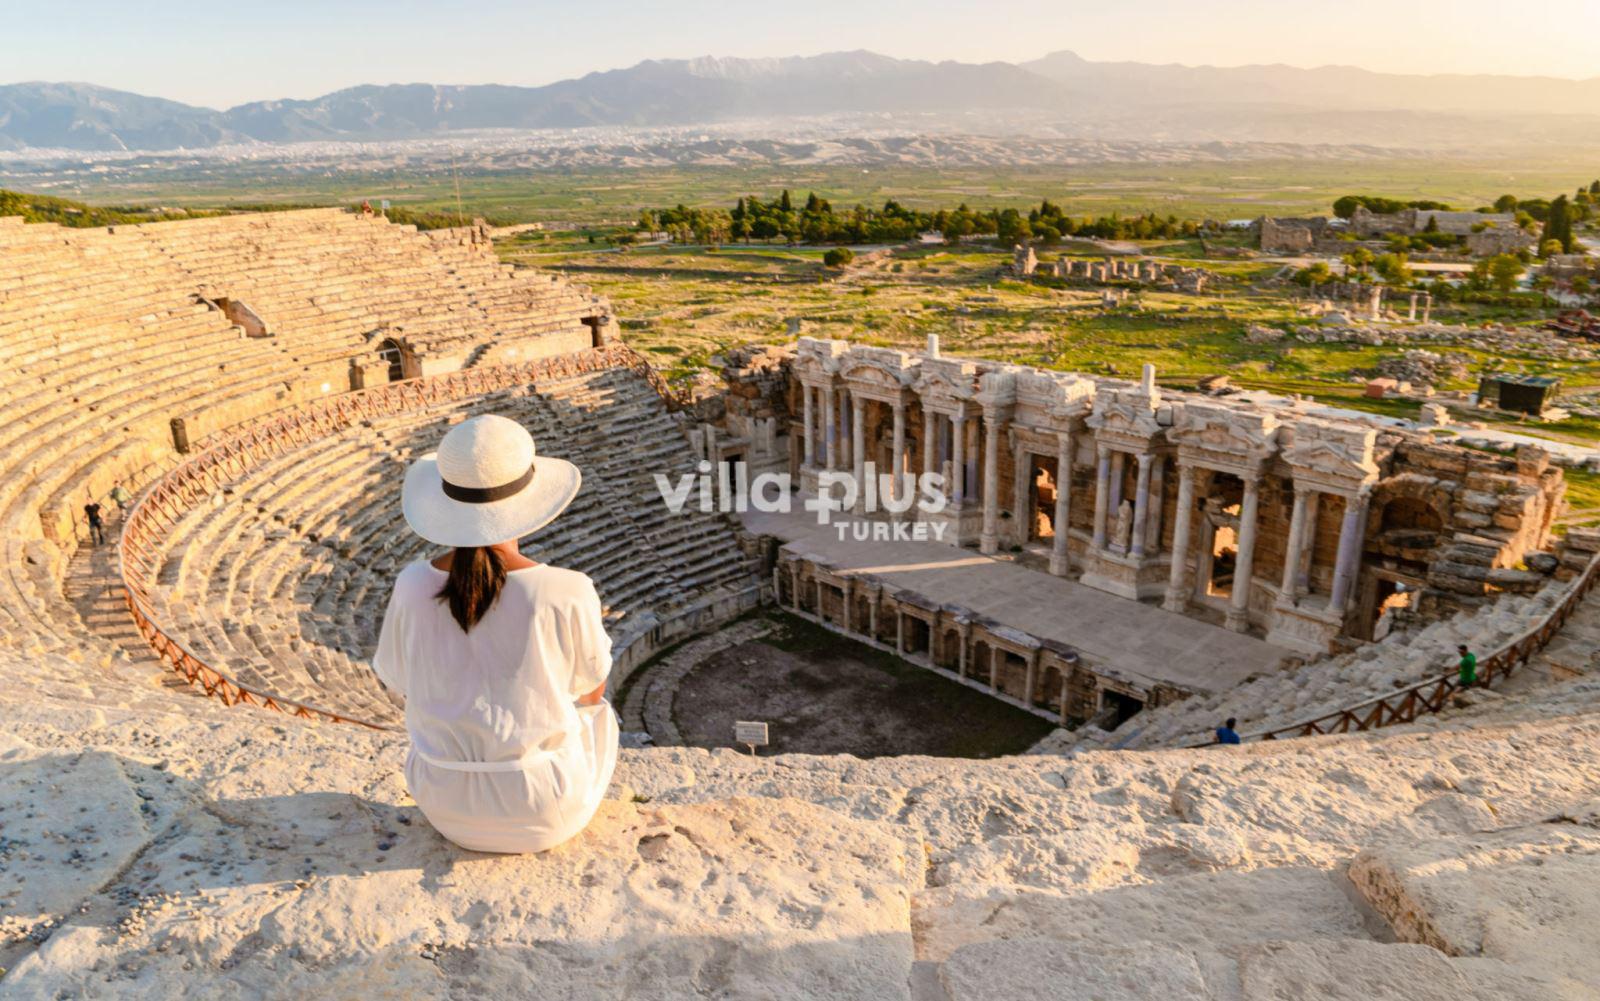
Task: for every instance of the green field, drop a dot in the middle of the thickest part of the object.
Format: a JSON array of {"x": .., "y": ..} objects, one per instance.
[
  {"x": 1231, "y": 190},
  {"x": 681, "y": 306}
]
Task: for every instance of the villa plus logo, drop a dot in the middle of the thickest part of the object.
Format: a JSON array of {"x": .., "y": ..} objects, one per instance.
[{"x": 729, "y": 490}]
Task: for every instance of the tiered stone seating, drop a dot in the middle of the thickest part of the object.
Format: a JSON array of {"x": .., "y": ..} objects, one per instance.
[
  {"x": 110, "y": 334},
  {"x": 283, "y": 578}
]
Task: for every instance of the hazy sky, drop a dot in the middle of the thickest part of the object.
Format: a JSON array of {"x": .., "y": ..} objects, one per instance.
[{"x": 220, "y": 52}]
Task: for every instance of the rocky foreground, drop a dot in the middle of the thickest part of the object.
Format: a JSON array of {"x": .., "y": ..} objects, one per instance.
[{"x": 155, "y": 845}]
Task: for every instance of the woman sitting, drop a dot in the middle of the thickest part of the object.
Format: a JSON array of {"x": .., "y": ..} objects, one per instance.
[{"x": 502, "y": 661}]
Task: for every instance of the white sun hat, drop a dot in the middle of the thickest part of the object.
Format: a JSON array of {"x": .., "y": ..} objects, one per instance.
[{"x": 484, "y": 486}]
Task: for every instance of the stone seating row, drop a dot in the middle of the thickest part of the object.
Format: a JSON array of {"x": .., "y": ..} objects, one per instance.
[
  {"x": 108, "y": 340},
  {"x": 291, "y": 565}
]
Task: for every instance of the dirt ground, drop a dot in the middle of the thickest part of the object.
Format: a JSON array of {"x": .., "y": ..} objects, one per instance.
[{"x": 824, "y": 694}]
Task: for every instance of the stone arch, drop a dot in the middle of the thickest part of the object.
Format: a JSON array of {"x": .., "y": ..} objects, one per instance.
[
  {"x": 400, "y": 359},
  {"x": 950, "y": 648}
]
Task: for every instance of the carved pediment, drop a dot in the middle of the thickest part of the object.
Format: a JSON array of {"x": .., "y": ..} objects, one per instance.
[
  {"x": 1125, "y": 412},
  {"x": 1247, "y": 434},
  {"x": 872, "y": 375},
  {"x": 1321, "y": 450},
  {"x": 949, "y": 379}
]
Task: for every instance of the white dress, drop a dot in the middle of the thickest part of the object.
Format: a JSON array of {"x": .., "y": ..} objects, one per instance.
[{"x": 502, "y": 759}]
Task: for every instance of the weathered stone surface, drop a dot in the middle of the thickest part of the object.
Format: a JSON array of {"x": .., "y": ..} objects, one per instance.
[
  {"x": 1355, "y": 970},
  {"x": 1512, "y": 895},
  {"x": 278, "y": 857}
]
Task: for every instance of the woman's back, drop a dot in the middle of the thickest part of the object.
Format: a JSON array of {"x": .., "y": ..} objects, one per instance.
[
  {"x": 506, "y": 688},
  {"x": 503, "y": 758}
]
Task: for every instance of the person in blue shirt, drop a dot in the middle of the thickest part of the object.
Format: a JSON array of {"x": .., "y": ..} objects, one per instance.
[{"x": 1226, "y": 734}]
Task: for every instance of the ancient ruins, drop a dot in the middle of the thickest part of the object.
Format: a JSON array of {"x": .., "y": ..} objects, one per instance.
[
  {"x": 201, "y": 787},
  {"x": 1249, "y": 517}
]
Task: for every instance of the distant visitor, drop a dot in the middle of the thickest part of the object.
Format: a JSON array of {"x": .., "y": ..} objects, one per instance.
[
  {"x": 1467, "y": 667},
  {"x": 97, "y": 530},
  {"x": 1226, "y": 734},
  {"x": 502, "y": 661}
]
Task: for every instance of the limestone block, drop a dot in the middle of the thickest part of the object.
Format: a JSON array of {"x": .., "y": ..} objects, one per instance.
[
  {"x": 1523, "y": 895},
  {"x": 1478, "y": 500}
]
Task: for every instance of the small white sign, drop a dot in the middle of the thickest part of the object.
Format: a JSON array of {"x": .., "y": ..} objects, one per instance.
[
  {"x": 752, "y": 735},
  {"x": 386, "y": 204}
]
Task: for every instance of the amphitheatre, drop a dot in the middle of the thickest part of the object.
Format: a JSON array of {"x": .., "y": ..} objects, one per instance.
[{"x": 201, "y": 791}]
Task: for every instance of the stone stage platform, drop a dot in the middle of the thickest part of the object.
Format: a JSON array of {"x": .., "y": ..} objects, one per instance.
[{"x": 1141, "y": 640}]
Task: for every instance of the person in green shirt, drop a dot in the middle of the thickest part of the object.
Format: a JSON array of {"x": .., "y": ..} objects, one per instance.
[{"x": 1468, "y": 667}]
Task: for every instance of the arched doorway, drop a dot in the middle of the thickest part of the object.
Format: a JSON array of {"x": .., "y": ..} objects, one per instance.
[{"x": 399, "y": 359}]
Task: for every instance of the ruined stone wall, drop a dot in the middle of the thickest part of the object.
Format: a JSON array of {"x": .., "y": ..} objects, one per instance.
[{"x": 1290, "y": 236}]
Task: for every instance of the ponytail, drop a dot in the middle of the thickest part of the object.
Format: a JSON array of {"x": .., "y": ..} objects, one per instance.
[{"x": 476, "y": 577}]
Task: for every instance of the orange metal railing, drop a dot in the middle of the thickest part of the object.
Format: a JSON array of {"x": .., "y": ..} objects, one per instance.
[{"x": 1433, "y": 694}]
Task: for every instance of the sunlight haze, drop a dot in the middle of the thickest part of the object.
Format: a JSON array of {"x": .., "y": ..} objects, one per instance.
[{"x": 219, "y": 55}]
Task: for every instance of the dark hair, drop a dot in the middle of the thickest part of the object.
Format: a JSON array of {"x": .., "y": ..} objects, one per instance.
[
  {"x": 1231, "y": 723},
  {"x": 476, "y": 577}
]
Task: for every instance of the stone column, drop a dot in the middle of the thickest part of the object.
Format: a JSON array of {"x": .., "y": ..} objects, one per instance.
[
  {"x": 1032, "y": 676},
  {"x": 808, "y": 438},
  {"x": 844, "y": 427},
  {"x": 1350, "y": 540},
  {"x": 1178, "y": 582},
  {"x": 898, "y": 459},
  {"x": 858, "y": 449},
  {"x": 899, "y": 632},
  {"x": 1158, "y": 505},
  {"x": 1141, "y": 505},
  {"x": 872, "y": 614},
  {"x": 1060, "y": 554},
  {"x": 989, "y": 541},
  {"x": 830, "y": 430},
  {"x": 1308, "y": 537},
  {"x": 1119, "y": 462},
  {"x": 1102, "y": 496},
  {"x": 961, "y": 662},
  {"x": 1021, "y": 493},
  {"x": 849, "y": 600},
  {"x": 994, "y": 669},
  {"x": 970, "y": 476},
  {"x": 958, "y": 460},
  {"x": 1295, "y": 548},
  {"x": 1238, "y": 618},
  {"x": 929, "y": 445},
  {"x": 794, "y": 583},
  {"x": 822, "y": 615}
]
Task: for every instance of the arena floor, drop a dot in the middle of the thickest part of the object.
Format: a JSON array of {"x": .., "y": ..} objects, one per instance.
[{"x": 1132, "y": 637}]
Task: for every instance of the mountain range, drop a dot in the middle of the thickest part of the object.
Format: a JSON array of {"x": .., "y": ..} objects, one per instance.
[{"x": 1114, "y": 100}]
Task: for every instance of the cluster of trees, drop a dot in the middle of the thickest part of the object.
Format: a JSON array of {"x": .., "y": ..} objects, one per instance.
[
  {"x": 1346, "y": 206},
  {"x": 818, "y": 222},
  {"x": 431, "y": 218},
  {"x": 66, "y": 212}
]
